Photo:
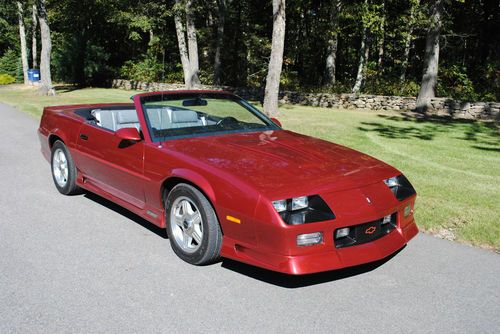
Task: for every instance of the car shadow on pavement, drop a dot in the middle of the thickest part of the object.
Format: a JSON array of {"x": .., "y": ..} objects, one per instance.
[
  {"x": 264, "y": 275},
  {"x": 293, "y": 282},
  {"x": 127, "y": 214}
]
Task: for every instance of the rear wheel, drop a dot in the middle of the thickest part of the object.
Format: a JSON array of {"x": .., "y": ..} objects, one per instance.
[
  {"x": 192, "y": 225},
  {"x": 63, "y": 169}
]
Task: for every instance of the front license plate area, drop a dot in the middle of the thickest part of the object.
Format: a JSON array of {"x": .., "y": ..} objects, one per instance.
[
  {"x": 363, "y": 233},
  {"x": 368, "y": 232}
]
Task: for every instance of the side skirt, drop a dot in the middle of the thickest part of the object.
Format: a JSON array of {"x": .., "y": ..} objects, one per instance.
[{"x": 150, "y": 214}]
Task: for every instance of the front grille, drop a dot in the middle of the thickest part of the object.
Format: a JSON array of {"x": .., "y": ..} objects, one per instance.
[{"x": 363, "y": 233}]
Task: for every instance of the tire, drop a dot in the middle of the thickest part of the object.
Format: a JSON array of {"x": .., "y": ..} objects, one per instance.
[
  {"x": 192, "y": 226},
  {"x": 63, "y": 169}
]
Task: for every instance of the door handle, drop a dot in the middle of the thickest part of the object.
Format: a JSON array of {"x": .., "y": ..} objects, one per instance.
[{"x": 84, "y": 136}]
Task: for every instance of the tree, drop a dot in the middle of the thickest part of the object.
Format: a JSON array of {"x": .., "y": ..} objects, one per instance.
[
  {"x": 382, "y": 37},
  {"x": 192, "y": 43},
  {"x": 408, "y": 39},
  {"x": 33, "y": 36},
  {"x": 183, "y": 52},
  {"x": 332, "y": 43},
  {"x": 221, "y": 18},
  {"x": 46, "y": 78},
  {"x": 189, "y": 53},
  {"x": 22, "y": 37},
  {"x": 431, "y": 60},
  {"x": 276, "y": 59},
  {"x": 364, "y": 51}
]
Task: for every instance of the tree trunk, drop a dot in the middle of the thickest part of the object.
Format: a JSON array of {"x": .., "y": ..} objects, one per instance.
[
  {"x": 406, "y": 55},
  {"x": 182, "y": 48},
  {"x": 408, "y": 40},
  {"x": 382, "y": 38},
  {"x": 34, "y": 50},
  {"x": 46, "y": 88},
  {"x": 332, "y": 44},
  {"x": 364, "y": 53},
  {"x": 192, "y": 43},
  {"x": 331, "y": 59},
  {"x": 22, "y": 37},
  {"x": 221, "y": 18},
  {"x": 276, "y": 60},
  {"x": 431, "y": 61},
  {"x": 151, "y": 38}
]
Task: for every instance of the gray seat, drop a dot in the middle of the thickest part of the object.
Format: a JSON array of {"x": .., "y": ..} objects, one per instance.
[
  {"x": 116, "y": 119},
  {"x": 159, "y": 118},
  {"x": 183, "y": 118},
  {"x": 104, "y": 118},
  {"x": 126, "y": 119}
]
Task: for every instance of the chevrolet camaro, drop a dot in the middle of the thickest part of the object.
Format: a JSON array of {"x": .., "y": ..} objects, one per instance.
[{"x": 227, "y": 181}]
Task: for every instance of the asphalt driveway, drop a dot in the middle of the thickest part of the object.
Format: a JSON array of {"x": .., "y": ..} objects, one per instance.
[{"x": 82, "y": 264}]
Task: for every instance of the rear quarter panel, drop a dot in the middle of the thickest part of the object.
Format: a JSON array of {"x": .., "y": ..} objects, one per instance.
[{"x": 58, "y": 122}]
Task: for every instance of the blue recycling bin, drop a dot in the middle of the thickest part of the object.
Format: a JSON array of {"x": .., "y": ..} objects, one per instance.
[{"x": 33, "y": 75}]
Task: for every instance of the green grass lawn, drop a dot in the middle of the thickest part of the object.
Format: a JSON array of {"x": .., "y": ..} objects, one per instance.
[
  {"x": 26, "y": 99},
  {"x": 454, "y": 165}
]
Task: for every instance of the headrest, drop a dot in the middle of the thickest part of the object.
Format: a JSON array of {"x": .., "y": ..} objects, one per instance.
[
  {"x": 127, "y": 116},
  {"x": 184, "y": 116}
]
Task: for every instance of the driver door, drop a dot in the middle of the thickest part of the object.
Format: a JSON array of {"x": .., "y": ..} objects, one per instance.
[{"x": 109, "y": 163}]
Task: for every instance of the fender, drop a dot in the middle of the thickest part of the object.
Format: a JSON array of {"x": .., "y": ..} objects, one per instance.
[
  {"x": 59, "y": 133},
  {"x": 196, "y": 179}
]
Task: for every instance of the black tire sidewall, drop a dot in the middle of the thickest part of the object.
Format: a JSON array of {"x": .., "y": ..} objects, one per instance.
[
  {"x": 210, "y": 244},
  {"x": 70, "y": 186}
]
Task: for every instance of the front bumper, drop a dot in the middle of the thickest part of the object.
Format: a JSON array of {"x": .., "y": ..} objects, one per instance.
[{"x": 324, "y": 261}]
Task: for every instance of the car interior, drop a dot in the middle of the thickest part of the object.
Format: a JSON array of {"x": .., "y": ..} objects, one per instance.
[
  {"x": 116, "y": 118},
  {"x": 160, "y": 118},
  {"x": 167, "y": 120}
]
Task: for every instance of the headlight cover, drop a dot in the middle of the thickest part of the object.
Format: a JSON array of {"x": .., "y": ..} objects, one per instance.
[
  {"x": 400, "y": 187},
  {"x": 303, "y": 210}
]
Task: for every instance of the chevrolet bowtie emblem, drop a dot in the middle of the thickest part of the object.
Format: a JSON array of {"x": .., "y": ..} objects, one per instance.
[{"x": 370, "y": 230}]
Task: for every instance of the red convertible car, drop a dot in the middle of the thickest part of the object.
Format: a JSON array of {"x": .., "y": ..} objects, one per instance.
[{"x": 226, "y": 181}]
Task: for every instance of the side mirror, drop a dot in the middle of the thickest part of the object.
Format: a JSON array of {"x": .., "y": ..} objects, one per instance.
[
  {"x": 275, "y": 121},
  {"x": 130, "y": 134}
]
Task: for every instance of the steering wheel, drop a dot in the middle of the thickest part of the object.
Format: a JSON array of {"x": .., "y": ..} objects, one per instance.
[{"x": 227, "y": 121}]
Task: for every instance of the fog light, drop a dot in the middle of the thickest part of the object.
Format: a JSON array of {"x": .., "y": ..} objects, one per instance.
[
  {"x": 342, "y": 232},
  {"x": 309, "y": 239},
  {"x": 280, "y": 205},
  {"x": 407, "y": 210},
  {"x": 387, "y": 219},
  {"x": 297, "y": 218}
]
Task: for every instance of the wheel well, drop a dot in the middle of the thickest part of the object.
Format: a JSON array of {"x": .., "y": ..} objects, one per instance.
[
  {"x": 53, "y": 139},
  {"x": 170, "y": 183}
]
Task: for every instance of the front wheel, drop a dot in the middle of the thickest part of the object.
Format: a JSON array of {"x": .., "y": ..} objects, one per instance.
[
  {"x": 63, "y": 169},
  {"x": 192, "y": 226}
]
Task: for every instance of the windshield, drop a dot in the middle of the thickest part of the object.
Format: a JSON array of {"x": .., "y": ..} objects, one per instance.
[{"x": 170, "y": 116}]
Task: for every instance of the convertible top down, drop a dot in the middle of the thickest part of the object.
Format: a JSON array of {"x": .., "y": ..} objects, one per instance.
[{"x": 226, "y": 181}]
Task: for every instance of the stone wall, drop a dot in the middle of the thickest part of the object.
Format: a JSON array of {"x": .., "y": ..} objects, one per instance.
[{"x": 439, "y": 106}]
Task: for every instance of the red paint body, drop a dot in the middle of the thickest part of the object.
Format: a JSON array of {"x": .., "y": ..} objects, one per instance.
[{"x": 241, "y": 174}]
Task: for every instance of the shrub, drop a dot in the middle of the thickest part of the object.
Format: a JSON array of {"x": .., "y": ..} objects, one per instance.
[
  {"x": 391, "y": 86},
  {"x": 289, "y": 80},
  {"x": 10, "y": 63},
  {"x": 454, "y": 82},
  {"x": 6, "y": 79},
  {"x": 147, "y": 69}
]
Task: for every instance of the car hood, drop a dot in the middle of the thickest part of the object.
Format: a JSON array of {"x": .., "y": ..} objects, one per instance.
[{"x": 283, "y": 163}]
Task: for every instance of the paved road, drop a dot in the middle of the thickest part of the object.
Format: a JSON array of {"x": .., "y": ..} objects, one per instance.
[{"x": 81, "y": 264}]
